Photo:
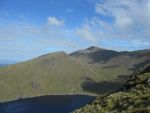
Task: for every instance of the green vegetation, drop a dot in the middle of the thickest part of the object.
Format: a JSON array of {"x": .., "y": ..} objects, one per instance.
[
  {"x": 87, "y": 71},
  {"x": 132, "y": 97}
]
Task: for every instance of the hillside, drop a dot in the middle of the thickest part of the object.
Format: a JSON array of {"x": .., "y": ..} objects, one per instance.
[
  {"x": 55, "y": 73},
  {"x": 132, "y": 97},
  {"x": 91, "y": 71}
]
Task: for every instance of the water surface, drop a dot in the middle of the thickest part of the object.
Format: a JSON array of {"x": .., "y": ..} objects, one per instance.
[{"x": 46, "y": 104}]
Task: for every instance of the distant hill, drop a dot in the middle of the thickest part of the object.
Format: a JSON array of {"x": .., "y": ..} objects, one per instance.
[
  {"x": 6, "y": 62},
  {"x": 91, "y": 71},
  {"x": 132, "y": 97}
]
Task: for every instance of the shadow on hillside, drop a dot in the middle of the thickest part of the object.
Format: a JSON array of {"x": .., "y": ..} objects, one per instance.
[
  {"x": 123, "y": 78},
  {"x": 140, "y": 65},
  {"x": 102, "y": 56},
  {"x": 100, "y": 87}
]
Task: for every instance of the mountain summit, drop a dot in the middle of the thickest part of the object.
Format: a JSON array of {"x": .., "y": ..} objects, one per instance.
[
  {"x": 91, "y": 71},
  {"x": 93, "y": 49},
  {"x": 87, "y": 50}
]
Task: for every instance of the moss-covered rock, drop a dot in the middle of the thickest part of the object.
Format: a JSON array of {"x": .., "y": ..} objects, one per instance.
[{"x": 132, "y": 97}]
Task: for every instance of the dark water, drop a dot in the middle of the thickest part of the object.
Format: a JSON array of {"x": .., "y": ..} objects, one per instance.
[{"x": 46, "y": 104}]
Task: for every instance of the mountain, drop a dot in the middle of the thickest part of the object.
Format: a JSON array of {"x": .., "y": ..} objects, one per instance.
[
  {"x": 6, "y": 62},
  {"x": 132, "y": 97},
  {"x": 54, "y": 73},
  {"x": 90, "y": 71},
  {"x": 94, "y": 55}
]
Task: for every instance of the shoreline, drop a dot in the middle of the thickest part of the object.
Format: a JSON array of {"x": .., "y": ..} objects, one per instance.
[{"x": 70, "y": 94}]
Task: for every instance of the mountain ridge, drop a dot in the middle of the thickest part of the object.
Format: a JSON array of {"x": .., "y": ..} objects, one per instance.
[{"x": 62, "y": 73}]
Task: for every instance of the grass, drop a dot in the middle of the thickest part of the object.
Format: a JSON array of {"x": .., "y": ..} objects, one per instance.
[
  {"x": 58, "y": 73},
  {"x": 133, "y": 99}
]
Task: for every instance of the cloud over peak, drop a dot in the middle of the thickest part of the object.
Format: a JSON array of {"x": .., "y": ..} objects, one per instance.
[
  {"x": 126, "y": 21},
  {"x": 113, "y": 24}
]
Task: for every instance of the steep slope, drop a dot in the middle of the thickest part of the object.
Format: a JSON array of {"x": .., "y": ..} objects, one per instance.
[
  {"x": 56, "y": 73},
  {"x": 132, "y": 97},
  {"x": 93, "y": 55},
  {"x": 92, "y": 71},
  {"x": 119, "y": 64}
]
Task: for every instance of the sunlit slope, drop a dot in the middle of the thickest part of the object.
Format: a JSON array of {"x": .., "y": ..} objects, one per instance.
[
  {"x": 90, "y": 71},
  {"x": 55, "y": 73}
]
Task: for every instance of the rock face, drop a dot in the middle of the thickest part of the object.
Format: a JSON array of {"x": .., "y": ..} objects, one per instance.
[
  {"x": 148, "y": 81},
  {"x": 132, "y": 97}
]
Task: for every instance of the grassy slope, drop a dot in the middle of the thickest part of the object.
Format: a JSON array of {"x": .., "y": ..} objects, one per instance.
[
  {"x": 105, "y": 62},
  {"x": 59, "y": 73},
  {"x": 133, "y": 97},
  {"x": 51, "y": 74}
]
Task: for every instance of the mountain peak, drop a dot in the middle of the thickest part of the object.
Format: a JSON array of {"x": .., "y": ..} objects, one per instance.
[{"x": 93, "y": 48}]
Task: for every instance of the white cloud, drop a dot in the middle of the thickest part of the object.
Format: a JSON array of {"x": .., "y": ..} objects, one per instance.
[
  {"x": 126, "y": 13},
  {"x": 85, "y": 33},
  {"x": 93, "y": 30},
  {"x": 28, "y": 40},
  {"x": 126, "y": 20},
  {"x": 53, "y": 21},
  {"x": 125, "y": 25}
]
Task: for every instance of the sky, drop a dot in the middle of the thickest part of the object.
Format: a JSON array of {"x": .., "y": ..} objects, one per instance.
[{"x": 30, "y": 28}]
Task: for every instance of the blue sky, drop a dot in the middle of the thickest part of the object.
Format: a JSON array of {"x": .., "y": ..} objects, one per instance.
[{"x": 29, "y": 28}]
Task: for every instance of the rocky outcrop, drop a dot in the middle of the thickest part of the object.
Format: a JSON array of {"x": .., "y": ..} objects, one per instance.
[{"x": 132, "y": 97}]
